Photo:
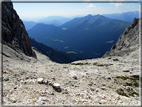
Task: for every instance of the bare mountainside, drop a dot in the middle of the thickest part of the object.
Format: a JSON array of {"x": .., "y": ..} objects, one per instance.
[
  {"x": 113, "y": 80},
  {"x": 127, "y": 42}
]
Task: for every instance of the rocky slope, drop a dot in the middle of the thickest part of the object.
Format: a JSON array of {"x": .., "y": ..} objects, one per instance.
[
  {"x": 104, "y": 81},
  {"x": 127, "y": 42},
  {"x": 111, "y": 81},
  {"x": 13, "y": 31}
]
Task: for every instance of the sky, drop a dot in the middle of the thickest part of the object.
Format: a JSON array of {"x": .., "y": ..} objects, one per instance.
[{"x": 35, "y": 11}]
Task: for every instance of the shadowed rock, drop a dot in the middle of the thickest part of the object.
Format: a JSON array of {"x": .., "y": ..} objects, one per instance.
[{"x": 13, "y": 31}]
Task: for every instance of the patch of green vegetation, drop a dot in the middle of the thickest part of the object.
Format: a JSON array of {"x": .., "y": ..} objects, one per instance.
[
  {"x": 130, "y": 81},
  {"x": 128, "y": 50},
  {"x": 109, "y": 41},
  {"x": 69, "y": 52},
  {"x": 58, "y": 40},
  {"x": 86, "y": 63},
  {"x": 64, "y": 28},
  {"x": 95, "y": 63},
  {"x": 80, "y": 63},
  {"x": 121, "y": 92},
  {"x": 90, "y": 84},
  {"x": 127, "y": 93},
  {"x": 126, "y": 71},
  {"x": 115, "y": 60},
  {"x": 135, "y": 77},
  {"x": 66, "y": 47},
  {"x": 103, "y": 85},
  {"x": 136, "y": 84},
  {"x": 133, "y": 93},
  {"x": 101, "y": 64},
  {"x": 122, "y": 77}
]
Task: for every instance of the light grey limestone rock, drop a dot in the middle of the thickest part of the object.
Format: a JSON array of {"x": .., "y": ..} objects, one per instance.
[{"x": 40, "y": 80}]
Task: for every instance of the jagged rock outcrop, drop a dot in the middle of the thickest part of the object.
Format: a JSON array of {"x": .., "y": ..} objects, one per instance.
[
  {"x": 127, "y": 42},
  {"x": 13, "y": 30}
]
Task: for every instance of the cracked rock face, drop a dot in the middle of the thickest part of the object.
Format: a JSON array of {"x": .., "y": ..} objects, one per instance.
[
  {"x": 127, "y": 42},
  {"x": 13, "y": 30}
]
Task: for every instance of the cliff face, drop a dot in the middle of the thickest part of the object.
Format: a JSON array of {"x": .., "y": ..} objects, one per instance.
[
  {"x": 127, "y": 42},
  {"x": 13, "y": 30}
]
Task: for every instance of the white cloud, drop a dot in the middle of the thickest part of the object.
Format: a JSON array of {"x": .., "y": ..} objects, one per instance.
[
  {"x": 90, "y": 6},
  {"x": 117, "y": 4}
]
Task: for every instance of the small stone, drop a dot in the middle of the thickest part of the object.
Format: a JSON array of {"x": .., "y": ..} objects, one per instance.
[
  {"x": 103, "y": 88},
  {"x": 51, "y": 93},
  {"x": 65, "y": 92},
  {"x": 109, "y": 57},
  {"x": 75, "y": 77},
  {"x": 45, "y": 81},
  {"x": 97, "y": 90},
  {"x": 56, "y": 85},
  {"x": 15, "y": 87},
  {"x": 44, "y": 99},
  {"x": 50, "y": 83},
  {"x": 53, "y": 78},
  {"x": 118, "y": 98},
  {"x": 42, "y": 102},
  {"x": 4, "y": 72},
  {"x": 103, "y": 96},
  {"x": 102, "y": 101},
  {"x": 40, "y": 80},
  {"x": 78, "y": 94},
  {"x": 109, "y": 78},
  {"x": 129, "y": 88},
  {"x": 13, "y": 100},
  {"x": 6, "y": 79},
  {"x": 92, "y": 89},
  {"x": 27, "y": 78}
]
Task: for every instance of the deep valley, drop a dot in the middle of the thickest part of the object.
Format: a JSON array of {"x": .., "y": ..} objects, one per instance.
[{"x": 94, "y": 61}]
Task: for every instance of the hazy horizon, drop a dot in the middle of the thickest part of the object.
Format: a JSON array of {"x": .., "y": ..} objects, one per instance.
[{"x": 37, "y": 11}]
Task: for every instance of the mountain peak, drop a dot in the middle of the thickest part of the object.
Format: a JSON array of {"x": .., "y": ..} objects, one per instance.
[{"x": 89, "y": 15}]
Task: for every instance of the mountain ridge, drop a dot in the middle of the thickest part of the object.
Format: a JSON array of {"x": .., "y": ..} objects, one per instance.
[
  {"x": 26, "y": 81},
  {"x": 88, "y": 29},
  {"x": 126, "y": 16}
]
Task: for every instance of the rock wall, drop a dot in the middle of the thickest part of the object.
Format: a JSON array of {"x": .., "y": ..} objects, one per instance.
[
  {"x": 127, "y": 42},
  {"x": 13, "y": 30}
]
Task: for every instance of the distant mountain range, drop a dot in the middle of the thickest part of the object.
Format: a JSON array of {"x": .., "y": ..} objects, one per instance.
[
  {"x": 29, "y": 24},
  {"x": 127, "y": 16},
  {"x": 90, "y": 35},
  {"x": 55, "y": 20},
  {"x": 59, "y": 20}
]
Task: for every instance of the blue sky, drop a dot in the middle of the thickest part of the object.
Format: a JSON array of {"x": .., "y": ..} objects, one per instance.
[{"x": 35, "y": 11}]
